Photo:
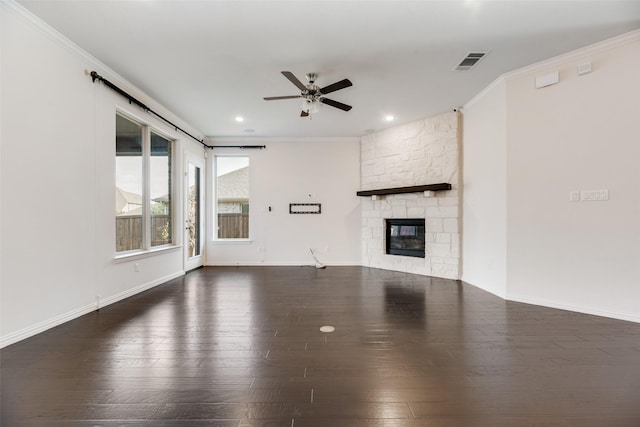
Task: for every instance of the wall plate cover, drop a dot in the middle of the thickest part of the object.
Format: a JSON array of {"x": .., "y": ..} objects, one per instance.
[
  {"x": 584, "y": 68},
  {"x": 547, "y": 80},
  {"x": 595, "y": 195}
]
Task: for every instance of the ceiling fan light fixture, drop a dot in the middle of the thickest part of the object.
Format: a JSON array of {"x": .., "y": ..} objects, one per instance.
[{"x": 310, "y": 105}]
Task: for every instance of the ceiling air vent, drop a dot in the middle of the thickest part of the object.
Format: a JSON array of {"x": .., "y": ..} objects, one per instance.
[{"x": 470, "y": 61}]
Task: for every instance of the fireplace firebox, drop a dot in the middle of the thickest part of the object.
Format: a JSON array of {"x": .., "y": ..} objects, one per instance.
[{"x": 405, "y": 237}]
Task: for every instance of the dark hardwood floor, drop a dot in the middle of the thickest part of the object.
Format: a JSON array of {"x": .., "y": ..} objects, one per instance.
[{"x": 240, "y": 347}]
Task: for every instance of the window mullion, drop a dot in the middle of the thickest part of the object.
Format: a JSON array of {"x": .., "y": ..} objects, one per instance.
[{"x": 146, "y": 187}]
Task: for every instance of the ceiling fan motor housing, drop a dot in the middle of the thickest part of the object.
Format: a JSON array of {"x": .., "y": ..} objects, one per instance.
[{"x": 312, "y": 92}]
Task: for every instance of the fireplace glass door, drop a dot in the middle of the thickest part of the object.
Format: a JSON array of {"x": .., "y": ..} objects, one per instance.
[{"x": 405, "y": 237}]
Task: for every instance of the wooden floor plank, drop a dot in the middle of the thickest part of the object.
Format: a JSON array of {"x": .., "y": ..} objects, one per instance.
[{"x": 242, "y": 347}]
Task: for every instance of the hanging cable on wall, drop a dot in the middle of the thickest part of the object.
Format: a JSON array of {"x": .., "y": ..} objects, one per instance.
[{"x": 95, "y": 76}]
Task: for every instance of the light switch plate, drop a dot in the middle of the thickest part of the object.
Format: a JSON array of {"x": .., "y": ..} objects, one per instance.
[{"x": 595, "y": 195}]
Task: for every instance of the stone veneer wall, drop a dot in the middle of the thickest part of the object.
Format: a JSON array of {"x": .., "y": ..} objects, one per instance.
[{"x": 418, "y": 153}]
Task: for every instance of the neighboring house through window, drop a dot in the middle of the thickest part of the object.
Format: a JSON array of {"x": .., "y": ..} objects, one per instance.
[
  {"x": 232, "y": 197},
  {"x": 143, "y": 205}
]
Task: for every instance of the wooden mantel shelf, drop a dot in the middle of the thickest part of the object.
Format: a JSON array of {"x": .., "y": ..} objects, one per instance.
[{"x": 401, "y": 190}]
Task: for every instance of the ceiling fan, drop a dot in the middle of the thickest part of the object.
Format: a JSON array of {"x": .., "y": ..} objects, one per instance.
[{"x": 312, "y": 94}]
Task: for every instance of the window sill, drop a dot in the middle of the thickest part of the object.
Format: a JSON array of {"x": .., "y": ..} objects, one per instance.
[
  {"x": 133, "y": 255},
  {"x": 232, "y": 241}
]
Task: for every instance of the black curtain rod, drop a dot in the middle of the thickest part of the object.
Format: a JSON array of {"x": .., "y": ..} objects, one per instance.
[
  {"x": 238, "y": 146},
  {"x": 95, "y": 76}
]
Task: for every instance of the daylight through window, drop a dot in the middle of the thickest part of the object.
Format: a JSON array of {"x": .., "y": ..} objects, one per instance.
[
  {"x": 232, "y": 197},
  {"x": 144, "y": 215}
]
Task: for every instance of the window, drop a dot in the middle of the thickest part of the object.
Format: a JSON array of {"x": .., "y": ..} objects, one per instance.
[
  {"x": 160, "y": 190},
  {"x": 144, "y": 214},
  {"x": 193, "y": 212},
  {"x": 232, "y": 197}
]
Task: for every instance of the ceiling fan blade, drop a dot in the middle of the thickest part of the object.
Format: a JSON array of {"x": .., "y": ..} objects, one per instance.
[
  {"x": 336, "y": 86},
  {"x": 293, "y": 79},
  {"x": 335, "y": 104},
  {"x": 272, "y": 98},
  {"x": 304, "y": 113}
]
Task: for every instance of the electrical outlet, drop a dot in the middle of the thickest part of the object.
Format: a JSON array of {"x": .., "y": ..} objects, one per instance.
[
  {"x": 136, "y": 267},
  {"x": 574, "y": 196}
]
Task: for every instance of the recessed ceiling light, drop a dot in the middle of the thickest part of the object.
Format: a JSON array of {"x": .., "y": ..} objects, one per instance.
[
  {"x": 389, "y": 118},
  {"x": 239, "y": 119}
]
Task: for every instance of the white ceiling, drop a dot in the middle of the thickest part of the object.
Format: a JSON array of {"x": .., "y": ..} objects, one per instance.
[{"x": 210, "y": 61}]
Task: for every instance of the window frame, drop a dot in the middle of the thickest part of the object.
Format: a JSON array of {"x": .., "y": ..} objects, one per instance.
[
  {"x": 229, "y": 240},
  {"x": 147, "y": 249}
]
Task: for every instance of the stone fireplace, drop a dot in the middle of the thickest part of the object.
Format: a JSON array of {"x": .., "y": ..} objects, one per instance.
[{"x": 419, "y": 153}]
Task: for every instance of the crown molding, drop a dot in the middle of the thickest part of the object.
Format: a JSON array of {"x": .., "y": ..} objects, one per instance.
[
  {"x": 59, "y": 38},
  {"x": 593, "y": 49},
  {"x": 223, "y": 140},
  {"x": 92, "y": 62},
  {"x": 494, "y": 84}
]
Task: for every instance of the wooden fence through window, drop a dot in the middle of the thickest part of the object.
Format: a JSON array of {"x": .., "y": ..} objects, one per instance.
[
  {"x": 233, "y": 226},
  {"x": 129, "y": 231}
]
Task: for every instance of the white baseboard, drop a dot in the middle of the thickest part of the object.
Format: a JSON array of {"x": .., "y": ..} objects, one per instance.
[
  {"x": 131, "y": 292},
  {"x": 575, "y": 308},
  {"x": 32, "y": 330},
  {"x": 47, "y": 324},
  {"x": 492, "y": 291},
  {"x": 279, "y": 264}
]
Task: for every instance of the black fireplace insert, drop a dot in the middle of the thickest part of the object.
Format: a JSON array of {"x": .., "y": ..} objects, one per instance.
[{"x": 405, "y": 237}]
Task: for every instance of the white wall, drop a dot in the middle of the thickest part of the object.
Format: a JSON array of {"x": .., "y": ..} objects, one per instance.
[
  {"x": 308, "y": 170},
  {"x": 57, "y": 177},
  {"x": 579, "y": 134},
  {"x": 484, "y": 207}
]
